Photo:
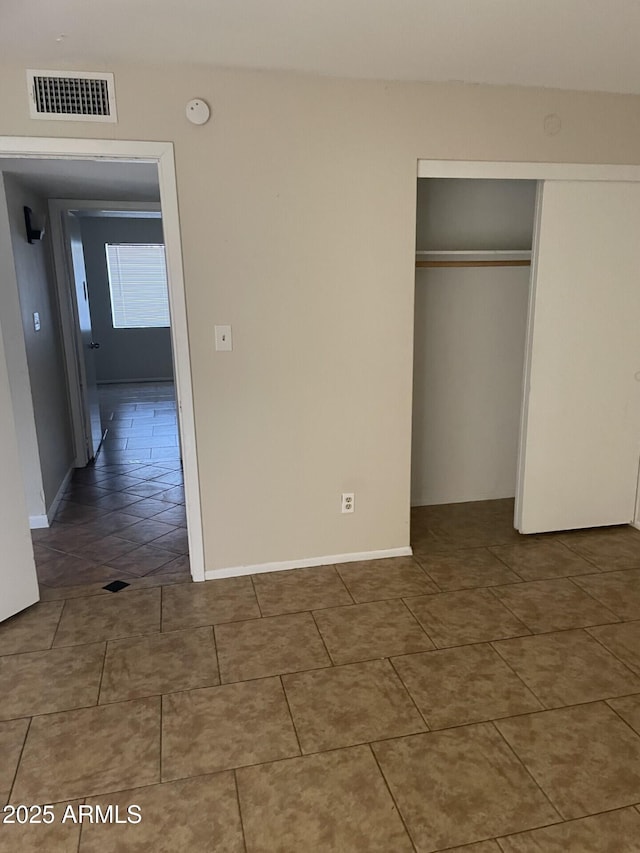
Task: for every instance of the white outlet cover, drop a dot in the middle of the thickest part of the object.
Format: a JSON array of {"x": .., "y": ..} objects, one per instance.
[
  {"x": 347, "y": 502},
  {"x": 36, "y": 321}
]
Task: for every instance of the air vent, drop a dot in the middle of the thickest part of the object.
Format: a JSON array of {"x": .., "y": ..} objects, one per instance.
[{"x": 71, "y": 95}]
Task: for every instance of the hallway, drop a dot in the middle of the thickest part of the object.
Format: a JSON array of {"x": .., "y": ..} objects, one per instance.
[{"x": 123, "y": 517}]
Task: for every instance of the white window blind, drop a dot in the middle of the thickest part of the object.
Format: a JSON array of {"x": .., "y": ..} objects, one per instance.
[{"x": 138, "y": 285}]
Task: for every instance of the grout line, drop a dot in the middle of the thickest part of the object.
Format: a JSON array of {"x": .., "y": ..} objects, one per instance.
[
  {"x": 57, "y": 623},
  {"x": 421, "y": 626},
  {"x": 577, "y": 553},
  {"x": 626, "y": 722},
  {"x": 255, "y": 593},
  {"x": 593, "y": 597},
  {"x": 323, "y": 668},
  {"x": 581, "y": 556},
  {"x": 320, "y": 634},
  {"x": 528, "y": 772},
  {"x": 215, "y": 651},
  {"x": 293, "y": 722},
  {"x": 409, "y": 693},
  {"x": 620, "y": 660},
  {"x": 424, "y": 570},
  {"x": 161, "y": 745},
  {"x": 418, "y": 560},
  {"x": 516, "y": 673},
  {"x": 84, "y": 800},
  {"x": 19, "y": 761},
  {"x": 530, "y": 631},
  {"x": 104, "y": 660},
  {"x": 235, "y": 781},
  {"x": 344, "y": 584},
  {"x": 55, "y": 633},
  {"x": 393, "y": 799},
  {"x": 504, "y": 563},
  {"x": 599, "y": 813}
]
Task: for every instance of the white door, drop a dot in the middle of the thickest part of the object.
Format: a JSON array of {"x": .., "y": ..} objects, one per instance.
[
  {"x": 18, "y": 581},
  {"x": 580, "y": 441},
  {"x": 85, "y": 342}
]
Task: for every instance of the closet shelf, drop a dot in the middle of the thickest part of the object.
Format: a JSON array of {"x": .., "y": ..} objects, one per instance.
[{"x": 474, "y": 258}]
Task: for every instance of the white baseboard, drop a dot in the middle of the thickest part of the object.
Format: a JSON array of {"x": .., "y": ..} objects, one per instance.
[
  {"x": 136, "y": 381},
  {"x": 53, "y": 508},
  {"x": 38, "y": 521},
  {"x": 635, "y": 524},
  {"x": 236, "y": 571}
]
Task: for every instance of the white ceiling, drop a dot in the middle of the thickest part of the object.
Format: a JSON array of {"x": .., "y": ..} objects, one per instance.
[
  {"x": 571, "y": 44},
  {"x": 86, "y": 179}
]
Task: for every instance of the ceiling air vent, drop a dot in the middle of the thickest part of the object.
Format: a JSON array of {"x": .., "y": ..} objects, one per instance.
[{"x": 71, "y": 95}]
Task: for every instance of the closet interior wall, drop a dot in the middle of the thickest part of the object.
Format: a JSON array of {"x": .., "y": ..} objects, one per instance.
[{"x": 470, "y": 327}]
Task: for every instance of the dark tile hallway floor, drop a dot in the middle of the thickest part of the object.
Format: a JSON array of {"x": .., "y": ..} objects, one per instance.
[
  {"x": 123, "y": 517},
  {"x": 480, "y": 697}
]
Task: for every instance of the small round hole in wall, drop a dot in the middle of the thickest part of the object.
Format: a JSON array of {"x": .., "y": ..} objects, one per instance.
[{"x": 552, "y": 124}]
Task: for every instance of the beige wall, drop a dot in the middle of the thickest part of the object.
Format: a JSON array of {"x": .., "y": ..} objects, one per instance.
[
  {"x": 45, "y": 360},
  {"x": 297, "y": 206},
  {"x": 17, "y": 367}
]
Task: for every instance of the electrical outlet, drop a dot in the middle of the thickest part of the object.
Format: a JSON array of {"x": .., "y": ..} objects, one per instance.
[{"x": 348, "y": 501}]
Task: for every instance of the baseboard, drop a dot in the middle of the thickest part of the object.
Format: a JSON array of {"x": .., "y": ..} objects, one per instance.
[
  {"x": 417, "y": 503},
  {"x": 136, "y": 381},
  {"x": 55, "y": 503},
  {"x": 635, "y": 524},
  {"x": 38, "y": 521},
  {"x": 235, "y": 571}
]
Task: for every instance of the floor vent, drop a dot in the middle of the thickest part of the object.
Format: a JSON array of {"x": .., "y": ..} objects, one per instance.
[{"x": 71, "y": 95}]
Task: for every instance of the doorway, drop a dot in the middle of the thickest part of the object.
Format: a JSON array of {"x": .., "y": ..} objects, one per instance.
[
  {"x": 473, "y": 257},
  {"x": 578, "y": 439},
  {"x": 169, "y": 408},
  {"x": 130, "y": 494}
]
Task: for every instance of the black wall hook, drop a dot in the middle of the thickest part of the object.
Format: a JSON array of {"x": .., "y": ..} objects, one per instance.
[{"x": 32, "y": 233}]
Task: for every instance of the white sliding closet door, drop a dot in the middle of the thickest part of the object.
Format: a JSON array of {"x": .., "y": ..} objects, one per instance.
[{"x": 580, "y": 442}]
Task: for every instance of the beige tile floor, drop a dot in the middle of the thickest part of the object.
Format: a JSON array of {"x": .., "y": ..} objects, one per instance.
[{"x": 482, "y": 697}]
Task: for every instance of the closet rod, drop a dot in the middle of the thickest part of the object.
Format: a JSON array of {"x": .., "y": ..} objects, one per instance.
[{"x": 494, "y": 263}]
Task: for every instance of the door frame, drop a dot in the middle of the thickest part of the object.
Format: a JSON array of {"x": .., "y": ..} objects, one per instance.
[
  {"x": 533, "y": 172},
  {"x": 161, "y": 154}
]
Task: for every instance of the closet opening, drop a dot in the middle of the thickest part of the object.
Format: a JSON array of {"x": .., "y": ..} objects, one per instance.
[{"x": 473, "y": 264}]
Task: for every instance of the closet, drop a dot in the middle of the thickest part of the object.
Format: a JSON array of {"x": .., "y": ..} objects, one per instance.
[
  {"x": 527, "y": 378},
  {"x": 473, "y": 256}
]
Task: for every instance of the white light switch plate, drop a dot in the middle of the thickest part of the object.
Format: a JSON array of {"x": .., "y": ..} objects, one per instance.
[{"x": 224, "y": 341}]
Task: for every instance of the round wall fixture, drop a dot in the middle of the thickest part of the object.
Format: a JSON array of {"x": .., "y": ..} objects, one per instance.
[
  {"x": 552, "y": 124},
  {"x": 198, "y": 111}
]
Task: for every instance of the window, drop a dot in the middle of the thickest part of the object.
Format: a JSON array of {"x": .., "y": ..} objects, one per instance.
[{"x": 138, "y": 285}]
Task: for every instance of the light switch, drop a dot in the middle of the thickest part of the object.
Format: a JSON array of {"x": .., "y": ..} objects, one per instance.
[
  {"x": 224, "y": 342},
  {"x": 36, "y": 321}
]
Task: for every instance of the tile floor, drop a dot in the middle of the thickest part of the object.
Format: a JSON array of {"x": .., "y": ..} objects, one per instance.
[
  {"x": 123, "y": 517},
  {"x": 482, "y": 697}
]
